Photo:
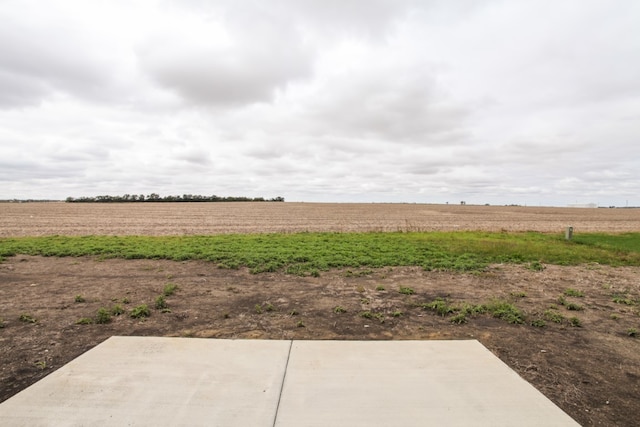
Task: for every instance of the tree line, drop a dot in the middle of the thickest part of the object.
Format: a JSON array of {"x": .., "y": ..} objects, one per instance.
[{"x": 153, "y": 197}]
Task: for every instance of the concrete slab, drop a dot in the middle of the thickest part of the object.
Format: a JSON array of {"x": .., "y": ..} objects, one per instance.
[
  {"x": 144, "y": 381},
  {"x": 408, "y": 383}
]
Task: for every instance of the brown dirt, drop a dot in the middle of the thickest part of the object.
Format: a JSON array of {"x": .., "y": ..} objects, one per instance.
[
  {"x": 72, "y": 219},
  {"x": 592, "y": 371}
]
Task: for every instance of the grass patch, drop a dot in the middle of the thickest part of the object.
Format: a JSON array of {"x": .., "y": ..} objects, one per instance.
[
  {"x": 440, "y": 306},
  {"x": 632, "y": 332},
  {"x": 553, "y": 316},
  {"x": 169, "y": 289},
  {"x": 27, "y": 318},
  {"x": 161, "y": 302},
  {"x": 309, "y": 253},
  {"x": 339, "y": 309},
  {"x": 84, "y": 321},
  {"x": 140, "y": 311},
  {"x": 406, "y": 291},
  {"x": 506, "y": 311},
  {"x": 79, "y": 298},
  {"x": 103, "y": 316},
  {"x": 573, "y": 293}
]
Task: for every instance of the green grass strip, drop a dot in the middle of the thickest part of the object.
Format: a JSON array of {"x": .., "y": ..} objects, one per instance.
[{"x": 304, "y": 253}]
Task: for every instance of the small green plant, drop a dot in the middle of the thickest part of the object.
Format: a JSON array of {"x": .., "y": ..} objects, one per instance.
[
  {"x": 84, "y": 321},
  {"x": 440, "y": 306},
  {"x": 300, "y": 324},
  {"x": 269, "y": 307},
  {"x": 575, "y": 322},
  {"x": 573, "y": 293},
  {"x": 622, "y": 299},
  {"x": 536, "y": 266},
  {"x": 258, "y": 308},
  {"x": 632, "y": 332},
  {"x": 397, "y": 313},
  {"x": 294, "y": 312},
  {"x": 161, "y": 302},
  {"x": 360, "y": 289},
  {"x": 505, "y": 311},
  {"x": 538, "y": 323},
  {"x": 103, "y": 316},
  {"x": 574, "y": 307},
  {"x": 520, "y": 294},
  {"x": 380, "y": 288},
  {"x": 459, "y": 319},
  {"x": 79, "y": 298},
  {"x": 406, "y": 290},
  {"x": 562, "y": 300},
  {"x": 553, "y": 316},
  {"x": 117, "y": 310},
  {"x": 126, "y": 300},
  {"x": 169, "y": 289},
  {"x": 140, "y": 311},
  {"x": 614, "y": 316},
  {"x": 42, "y": 365},
  {"x": 27, "y": 318},
  {"x": 366, "y": 314},
  {"x": 339, "y": 309}
]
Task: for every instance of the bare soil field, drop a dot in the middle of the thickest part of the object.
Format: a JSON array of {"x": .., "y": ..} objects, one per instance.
[
  {"x": 72, "y": 219},
  {"x": 590, "y": 368}
]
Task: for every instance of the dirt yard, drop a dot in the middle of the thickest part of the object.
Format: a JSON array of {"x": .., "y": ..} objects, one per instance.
[{"x": 592, "y": 371}]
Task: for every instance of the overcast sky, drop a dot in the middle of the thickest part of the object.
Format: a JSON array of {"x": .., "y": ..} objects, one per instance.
[{"x": 434, "y": 101}]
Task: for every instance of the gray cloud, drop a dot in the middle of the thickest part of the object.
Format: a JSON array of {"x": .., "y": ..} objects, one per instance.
[{"x": 483, "y": 101}]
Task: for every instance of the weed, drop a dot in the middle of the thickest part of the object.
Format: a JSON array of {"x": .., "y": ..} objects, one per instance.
[
  {"x": 440, "y": 306},
  {"x": 379, "y": 288},
  {"x": 553, "y": 316},
  {"x": 520, "y": 294},
  {"x": 459, "y": 319},
  {"x": 536, "y": 266},
  {"x": 406, "y": 290},
  {"x": 294, "y": 312},
  {"x": 562, "y": 300},
  {"x": 360, "y": 288},
  {"x": 27, "y": 318},
  {"x": 538, "y": 323},
  {"x": 117, "y": 310},
  {"x": 574, "y": 307},
  {"x": 632, "y": 332},
  {"x": 339, "y": 309},
  {"x": 42, "y": 365},
  {"x": 160, "y": 302},
  {"x": 575, "y": 322},
  {"x": 84, "y": 321},
  {"x": 140, "y": 311},
  {"x": 103, "y": 316},
  {"x": 366, "y": 314},
  {"x": 126, "y": 300},
  {"x": 573, "y": 293},
  {"x": 258, "y": 308},
  {"x": 169, "y": 289},
  {"x": 269, "y": 307},
  {"x": 614, "y": 316},
  {"x": 300, "y": 324},
  {"x": 505, "y": 311},
  {"x": 623, "y": 299},
  {"x": 79, "y": 298},
  {"x": 397, "y": 313},
  {"x": 165, "y": 310}
]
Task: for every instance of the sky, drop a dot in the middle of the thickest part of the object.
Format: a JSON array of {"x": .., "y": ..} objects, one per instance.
[{"x": 413, "y": 101}]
